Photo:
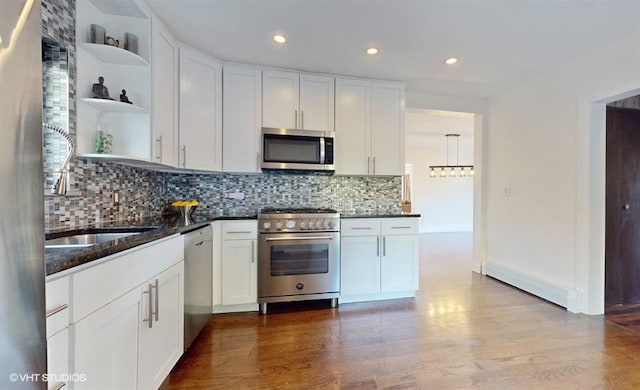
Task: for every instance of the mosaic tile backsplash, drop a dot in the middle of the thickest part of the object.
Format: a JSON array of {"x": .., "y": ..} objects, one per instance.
[
  {"x": 144, "y": 193},
  {"x": 58, "y": 76}
]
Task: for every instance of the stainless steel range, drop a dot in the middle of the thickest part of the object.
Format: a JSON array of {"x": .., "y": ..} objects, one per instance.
[{"x": 298, "y": 255}]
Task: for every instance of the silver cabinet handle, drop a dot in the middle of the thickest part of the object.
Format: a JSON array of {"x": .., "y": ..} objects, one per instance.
[
  {"x": 361, "y": 228},
  {"x": 384, "y": 246},
  {"x": 60, "y": 386},
  {"x": 400, "y": 227},
  {"x": 295, "y": 122},
  {"x": 301, "y": 119},
  {"x": 378, "y": 246},
  {"x": 253, "y": 259},
  {"x": 368, "y": 164},
  {"x": 374, "y": 165},
  {"x": 159, "y": 153},
  {"x": 150, "y": 309},
  {"x": 239, "y": 232},
  {"x": 57, "y": 310},
  {"x": 184, "y": 156},
  {"x": 157, "y": 287}
]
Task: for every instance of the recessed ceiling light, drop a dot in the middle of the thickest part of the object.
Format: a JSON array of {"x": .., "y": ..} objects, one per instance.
[
  {"x": 372, "y": 51},
  {"x": 451, "y": 61},
  {"x": 279, "y": 38}
]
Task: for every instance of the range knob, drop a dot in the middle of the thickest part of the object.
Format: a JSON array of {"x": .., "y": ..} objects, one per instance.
[
  {"x": 266, "y": 225},
  {"x": 303, "y": 224},
  {"x": 278, "y": 225},
  {"x": 290, "y": 224},
  {"x": 328, "y": 224}
]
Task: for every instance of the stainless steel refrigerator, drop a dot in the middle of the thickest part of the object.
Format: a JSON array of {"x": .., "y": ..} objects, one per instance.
[{"x": 22, "y": 322}]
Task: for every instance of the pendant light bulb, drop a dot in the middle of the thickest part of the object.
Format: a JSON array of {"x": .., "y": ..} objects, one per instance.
[
  {"x": 452, "y": 173},
  {"x": 443, "y": 173},
  {"x": 471, "y": 172},
  {"x": 463, "y": 173},
  {"x": 432, "y": 173}
]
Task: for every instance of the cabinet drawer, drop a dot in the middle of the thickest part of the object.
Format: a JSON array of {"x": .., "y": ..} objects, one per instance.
[
  {"x": 57, "y": 359},
  {"x": 360, "y": 227},
  {"x": 57, "y": 304},
  {"x": 119, "y": 273},
  {"x": 393, "y": 226},
  {"x": 239, "y": 230}
]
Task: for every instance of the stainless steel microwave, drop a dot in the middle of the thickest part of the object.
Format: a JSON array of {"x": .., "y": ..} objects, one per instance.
[{"x": 289, "y": 149}]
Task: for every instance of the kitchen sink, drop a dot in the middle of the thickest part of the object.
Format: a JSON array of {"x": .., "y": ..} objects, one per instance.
[{"x": 89, "y": 238}]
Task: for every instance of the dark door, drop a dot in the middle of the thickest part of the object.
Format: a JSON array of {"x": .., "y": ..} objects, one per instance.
[{"x": 622, "y": 240}]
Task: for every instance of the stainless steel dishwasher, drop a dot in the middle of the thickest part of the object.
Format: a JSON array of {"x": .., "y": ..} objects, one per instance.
[{"x": 198, "y": 276}]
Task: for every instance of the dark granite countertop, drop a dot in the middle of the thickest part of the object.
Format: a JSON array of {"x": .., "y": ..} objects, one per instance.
[
  {"x": 159, "y": 227},
  {"x": 385, "y": 215}
]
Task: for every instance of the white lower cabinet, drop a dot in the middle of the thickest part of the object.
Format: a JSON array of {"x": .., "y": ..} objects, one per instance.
[
  {"x": 106, "y": 345},
  {"x": 378, "y": 258},
  {"x": 57, "y": 312},
  {"x": 162, "y": 326},
  {"x": 127, "y": 322},
  {"x": 235, "y": 267}
]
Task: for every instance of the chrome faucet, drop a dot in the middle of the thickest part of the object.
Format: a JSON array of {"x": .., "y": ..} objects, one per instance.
[{"x": 60, "y": 188}]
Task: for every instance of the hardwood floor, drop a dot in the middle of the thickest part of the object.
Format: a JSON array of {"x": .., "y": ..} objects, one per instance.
[{"x": 463, "y": 330}]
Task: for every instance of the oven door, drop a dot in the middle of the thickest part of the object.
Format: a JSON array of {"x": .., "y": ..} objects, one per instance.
[{"x": 298, "y": 263}]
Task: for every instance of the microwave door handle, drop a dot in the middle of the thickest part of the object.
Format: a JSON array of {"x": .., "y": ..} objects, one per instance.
[{"x": 322, "y": 151}]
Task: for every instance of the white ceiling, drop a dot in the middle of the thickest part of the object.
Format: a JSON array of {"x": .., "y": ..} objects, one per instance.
[{"x": 498, "y": 41}]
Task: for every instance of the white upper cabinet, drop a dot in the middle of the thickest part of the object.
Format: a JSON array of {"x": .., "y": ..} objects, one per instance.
[
  {"x": 165, "y": 96},
  {"x": 241, "y": 118},
  {"x": 128, "y": 125},
  {"x": 297, "y": 100},
  {"x": 353, "y": 135},
  {"x": 316, "y": 102},
  {"x": 200, "y": 102},
  {"x": 387, "y": 129},
  {"x": 369, "y": 127}
]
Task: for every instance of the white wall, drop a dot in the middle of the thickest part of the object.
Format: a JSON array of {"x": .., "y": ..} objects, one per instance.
[
  {"x": 445, "y": 204},
  {"x": 545, "y": 142}
]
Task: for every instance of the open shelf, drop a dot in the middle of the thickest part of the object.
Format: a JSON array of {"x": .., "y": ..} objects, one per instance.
[
  {"x": 106, "y": 105},
  {"x": 113, "y": 55}
]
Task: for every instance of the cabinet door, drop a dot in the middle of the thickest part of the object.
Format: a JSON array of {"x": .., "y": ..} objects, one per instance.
[
  {"x": 387, "y": 129},
  {"x": 280, "y": 98},
  {"x": 241, "y": 119},
  {"x": 399, "y": 263},
  {"x": 316, "y": 102},
  {"x": 353, "y": 111},
  {"x": 105, "y": 345},
  {"x": 200, "y": 111},
  {"x": 165, "y": 93},
  {"x": 57, "y": 358},
  {"x": 162, "y": 344},
  {"x": 359, "y": 265},
  {"x": 239, "y": 272}
]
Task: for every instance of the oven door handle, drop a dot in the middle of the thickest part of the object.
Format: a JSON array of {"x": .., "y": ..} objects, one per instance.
[{"x": 300, "y": 238}]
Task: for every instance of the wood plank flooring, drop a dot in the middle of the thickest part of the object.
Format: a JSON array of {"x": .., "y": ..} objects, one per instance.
[{"x": 463, "y": 330}]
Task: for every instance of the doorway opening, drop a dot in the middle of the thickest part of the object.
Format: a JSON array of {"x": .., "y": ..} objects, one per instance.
[
  {"x": 622, "y": 213},
  {"x": 446, "y": 204}
]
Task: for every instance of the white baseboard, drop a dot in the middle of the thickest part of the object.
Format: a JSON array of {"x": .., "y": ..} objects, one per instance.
[
  {"x": 217, "y": 309},
  {"x": 376, "y": 297},
  {"x": 559, "y": 295}
]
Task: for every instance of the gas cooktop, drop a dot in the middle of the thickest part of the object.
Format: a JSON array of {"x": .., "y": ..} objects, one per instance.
[{"x": 297, "y": 210}]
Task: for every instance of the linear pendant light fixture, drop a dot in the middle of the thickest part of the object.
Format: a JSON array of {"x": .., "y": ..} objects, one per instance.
[{"x": 451, "y": 170}]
